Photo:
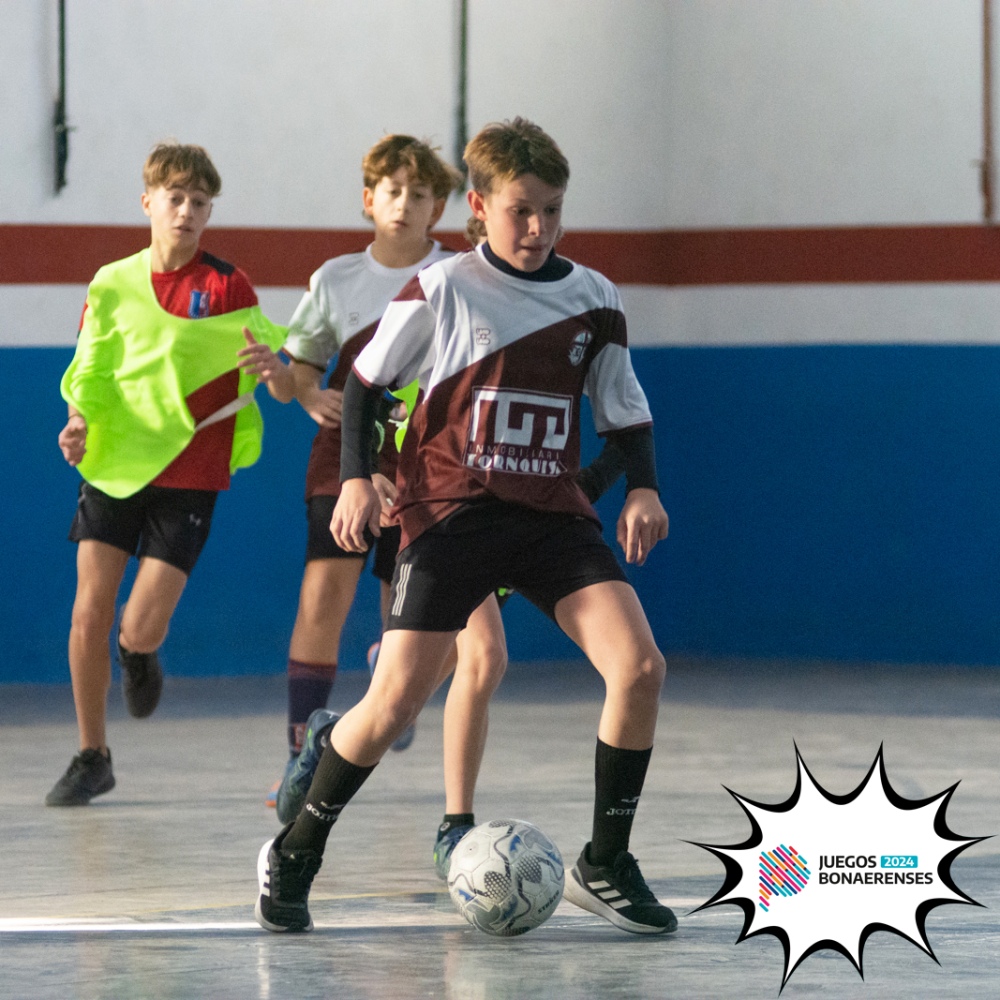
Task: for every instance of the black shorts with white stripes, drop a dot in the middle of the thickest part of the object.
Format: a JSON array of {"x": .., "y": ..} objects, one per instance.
[{"x": 447, "y": 572}]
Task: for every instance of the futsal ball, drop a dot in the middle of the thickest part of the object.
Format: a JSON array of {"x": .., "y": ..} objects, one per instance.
[{"x": 506, "y": 877}]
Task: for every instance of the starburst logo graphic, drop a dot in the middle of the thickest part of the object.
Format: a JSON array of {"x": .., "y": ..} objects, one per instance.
[{"x": 842, "y": 867}]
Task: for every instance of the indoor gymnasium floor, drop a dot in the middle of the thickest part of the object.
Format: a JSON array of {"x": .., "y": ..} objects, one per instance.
[{"x": 149, "y": 891}]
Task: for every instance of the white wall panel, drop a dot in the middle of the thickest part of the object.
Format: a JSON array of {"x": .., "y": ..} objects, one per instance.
[{"x": 674, "y": 113}]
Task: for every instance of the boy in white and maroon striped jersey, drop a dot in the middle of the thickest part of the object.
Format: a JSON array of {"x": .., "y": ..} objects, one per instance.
[{"x": 504, "y": 341}]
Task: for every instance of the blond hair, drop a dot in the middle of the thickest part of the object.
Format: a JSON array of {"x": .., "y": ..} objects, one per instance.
[
  {"x": 503, "y": 151},
  {"x": 177, "y": 163}
]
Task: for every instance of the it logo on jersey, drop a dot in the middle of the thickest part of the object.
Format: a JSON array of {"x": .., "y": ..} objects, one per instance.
[
  {"x": 579, "y": 347},
  {"x": 516, "y": 431},
  {"x": 483, "y": 336}
]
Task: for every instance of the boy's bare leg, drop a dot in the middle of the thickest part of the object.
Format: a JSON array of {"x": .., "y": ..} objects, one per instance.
[
  {"x": 482, "y": 660},
  {"x": 407, "y": 674},
  {"x": 607, "y": 622},
  {"x": 151, "y": 604},
  {"x": 99, "y": 571},
  {"x": 477, "y": 661},
  {"x": 325, "y": 598}
]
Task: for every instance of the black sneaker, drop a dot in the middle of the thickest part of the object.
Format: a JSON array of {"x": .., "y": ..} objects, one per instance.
[
  {"x": 284, "y": 878},
  {"x": 88, "y": 774},
  {"x": 142, "y": 681},
  {"x": 618, "y": 893}
]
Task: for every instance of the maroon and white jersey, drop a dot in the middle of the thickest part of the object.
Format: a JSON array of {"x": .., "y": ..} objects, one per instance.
[
  {"x": 502, "y": 363},
  {"x": 337, "y": 316}
]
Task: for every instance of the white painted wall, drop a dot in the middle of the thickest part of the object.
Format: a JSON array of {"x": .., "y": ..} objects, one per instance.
[{"x": 673, "y": 113}]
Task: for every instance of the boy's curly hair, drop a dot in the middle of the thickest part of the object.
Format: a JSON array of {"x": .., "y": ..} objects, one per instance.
[{"x": 419, "y": 157}]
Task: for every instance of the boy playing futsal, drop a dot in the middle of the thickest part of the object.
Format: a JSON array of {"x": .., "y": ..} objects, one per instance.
[
  {"x": 405, "y": 188},
  {"x": 160, "y": 394},
  {"x": 504, "y": 341}
]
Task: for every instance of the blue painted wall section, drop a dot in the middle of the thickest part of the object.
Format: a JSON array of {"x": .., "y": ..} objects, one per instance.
[
  {"x": 828, "y": 502},
  {"x": 825, "y": 502}
]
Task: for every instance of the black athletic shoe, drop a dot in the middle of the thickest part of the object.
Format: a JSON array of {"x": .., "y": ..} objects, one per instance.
[
  {"x": 88, "y": 774},
  {"x": 142, "y": 681},
  {"x": 618, "y": 893},
  {"x": 284, "y": 878}
]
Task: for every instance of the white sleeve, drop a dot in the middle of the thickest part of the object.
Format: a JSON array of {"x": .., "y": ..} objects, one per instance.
[
  {"x": 402, "y": 348},
  {"x": 313, "y": 329},
  {"x": 616, "y": 398}
]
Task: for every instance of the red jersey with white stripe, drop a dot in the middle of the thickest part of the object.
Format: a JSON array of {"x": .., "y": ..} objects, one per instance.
[
  {"x": 337, "y": 316},
  {"x": 502, "y": 363},
  {"x": 206, "y": 286}
]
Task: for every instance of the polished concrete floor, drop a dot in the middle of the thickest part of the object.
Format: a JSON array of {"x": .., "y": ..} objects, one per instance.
[{"x": 148, "y": 892}]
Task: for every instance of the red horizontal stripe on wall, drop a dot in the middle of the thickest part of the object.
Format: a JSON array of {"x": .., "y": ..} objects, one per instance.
[
  {"x": 880, "y": 254},
  {"x": 49, "y": 254}
]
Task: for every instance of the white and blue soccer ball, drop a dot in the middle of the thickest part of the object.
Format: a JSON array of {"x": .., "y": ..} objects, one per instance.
[{"x": 506, "y": 877}]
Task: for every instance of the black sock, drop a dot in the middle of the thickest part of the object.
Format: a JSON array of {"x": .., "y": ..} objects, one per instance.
[
  {"x": 333, "y": 786},
  {"x": 618, "y": 778},
  {"x": 456, "y": 819}
]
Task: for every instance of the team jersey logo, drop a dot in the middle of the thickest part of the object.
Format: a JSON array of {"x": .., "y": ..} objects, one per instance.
[
  {"x": 199, "y": 306},
  {"x": 516, "y": 431},
  {"x": 484, "y": 335},
  {"x": 579, "y": 347}
]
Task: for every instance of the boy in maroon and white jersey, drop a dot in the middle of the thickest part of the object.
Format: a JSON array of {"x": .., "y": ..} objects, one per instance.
[
  {"x": 406, "y": 184},
  {"x": 504, "y": 341}
]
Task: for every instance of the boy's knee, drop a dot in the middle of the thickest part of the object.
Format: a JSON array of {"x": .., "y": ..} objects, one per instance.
[
  {"x": 485, "y": 665},
  {"x": 395, "y": 713},
  {"x": 141, "y": 637},
  {"x": 92, "y": 618},
  {"x": 493, "y": 661},
  {"x": 647, "y": 673}
]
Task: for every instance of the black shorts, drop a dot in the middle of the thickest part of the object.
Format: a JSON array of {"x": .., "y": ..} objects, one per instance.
[
  {"x": 443, "y": 576},
  {"x": 158, "y": 521},
  {"x": 320, "y": 543}
]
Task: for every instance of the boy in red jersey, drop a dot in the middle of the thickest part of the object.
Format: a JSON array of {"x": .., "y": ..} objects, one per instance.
[
  {"x": 504, "y": 341},
  {"x": 160, "y": 412}
]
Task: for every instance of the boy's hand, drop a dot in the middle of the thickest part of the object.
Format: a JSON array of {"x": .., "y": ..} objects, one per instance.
[
  {"x": 258, "y": 359},
  {"x": 323, "y": 405},
  {"x": 73, "y": 439},
  {"x": 387, "y": 492},
  {"x": 358, "y": 507},
  {"x": 643, "y": 522}
]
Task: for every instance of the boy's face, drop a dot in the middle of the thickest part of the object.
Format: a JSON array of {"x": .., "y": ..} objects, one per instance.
[
  {"x": 522, "y": 218},
  {"x": 178, "y": 214},
  {"x": 402, "y": 207}
]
